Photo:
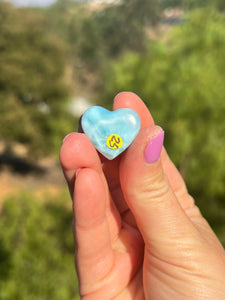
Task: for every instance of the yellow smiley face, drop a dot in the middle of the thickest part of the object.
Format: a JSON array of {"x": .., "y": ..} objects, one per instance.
[{"x": 114, "y": 141}]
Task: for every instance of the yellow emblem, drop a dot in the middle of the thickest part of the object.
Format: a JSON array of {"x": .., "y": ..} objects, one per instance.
[{"x": 114, "y": 141}]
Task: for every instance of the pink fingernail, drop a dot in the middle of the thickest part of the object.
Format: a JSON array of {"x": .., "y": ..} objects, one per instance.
[
  {"x": 65, "y": 138},
  {"x": 77, "y": 172},
  {"x": 154, "y": 148}
]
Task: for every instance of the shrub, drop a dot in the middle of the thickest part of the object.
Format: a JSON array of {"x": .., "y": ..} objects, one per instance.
[{"x": 36, "y": 250}]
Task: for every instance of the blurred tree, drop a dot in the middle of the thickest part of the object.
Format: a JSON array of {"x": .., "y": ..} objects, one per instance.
[
  {"x": 32, "y": 83},
  {"x": 183, "y": 84},
  {"x": 36, "y": 250},
  {"x": 105, "y": 32},
  {"x": 171, "y": 3},
  {"x": 119, "y": 31},
  {"x": 220, "y": 4},
  {"x": 143, "y": 12},
  {"x": 190, "y": 4},
  {"x": 193, "y": 4},
  {"x": 64, "y": 17},
  {"x": 94, "y": 36}
]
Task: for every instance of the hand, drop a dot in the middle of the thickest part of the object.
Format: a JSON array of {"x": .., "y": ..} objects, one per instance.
[{"x": 138, "y": 232}]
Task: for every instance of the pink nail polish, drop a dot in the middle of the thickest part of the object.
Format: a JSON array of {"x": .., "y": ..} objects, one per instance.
[
  {"x": 77, "y": 171},
  {"x": 154, "y": 148}
]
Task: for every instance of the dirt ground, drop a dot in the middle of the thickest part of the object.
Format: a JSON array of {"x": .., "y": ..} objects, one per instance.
[{"x": 45, "y": 178}]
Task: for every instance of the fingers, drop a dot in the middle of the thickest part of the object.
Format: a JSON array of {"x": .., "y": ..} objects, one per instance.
[
  {"x": 91, "y": 229},
  {"x": 132, "y": 101},
  {"x": 110, "y": 168},
  {"x": 77, "y": 152},
  {"x": 148, "y": 193},
  {"x": 177, "y": 183}
]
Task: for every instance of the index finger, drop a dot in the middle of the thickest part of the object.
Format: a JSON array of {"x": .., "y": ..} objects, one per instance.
[{"x": 132, "y": 101}]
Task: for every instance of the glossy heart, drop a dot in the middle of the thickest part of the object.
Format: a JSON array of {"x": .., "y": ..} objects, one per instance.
[{"x": 111, "y": 132}]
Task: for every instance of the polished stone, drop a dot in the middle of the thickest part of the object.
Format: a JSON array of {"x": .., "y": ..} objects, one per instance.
[{"x": 111, "y": 132}]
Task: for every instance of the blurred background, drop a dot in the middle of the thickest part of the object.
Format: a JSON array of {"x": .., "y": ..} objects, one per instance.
[{"x": 59, "y": 57}]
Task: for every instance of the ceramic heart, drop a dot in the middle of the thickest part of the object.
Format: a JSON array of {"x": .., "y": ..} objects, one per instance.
[{"x": 111, "y": 132}]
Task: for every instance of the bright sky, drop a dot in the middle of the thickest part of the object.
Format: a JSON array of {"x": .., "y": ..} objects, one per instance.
[
  {"x": 36, "y": 3},
  {"x": 40, "y": 2},
  {"x": 31, "y": 2}
]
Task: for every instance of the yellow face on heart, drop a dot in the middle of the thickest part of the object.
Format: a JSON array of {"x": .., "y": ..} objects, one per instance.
[
  {"x": 114, "y": 141},
  {"x": 111, "y": 132}
]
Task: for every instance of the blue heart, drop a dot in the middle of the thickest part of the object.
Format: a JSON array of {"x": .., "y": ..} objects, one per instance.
[{"x": 111, "y": 132}]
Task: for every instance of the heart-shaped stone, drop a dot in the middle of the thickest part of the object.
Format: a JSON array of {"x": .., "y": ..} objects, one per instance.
[{"x": 111, "y": 132}]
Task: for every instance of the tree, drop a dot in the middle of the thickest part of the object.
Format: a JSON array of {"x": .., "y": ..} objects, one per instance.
[
  {"x": 193, "y": 4},
  {"x": 144, "y": 12},
  {"x": 32, "y": 85}
]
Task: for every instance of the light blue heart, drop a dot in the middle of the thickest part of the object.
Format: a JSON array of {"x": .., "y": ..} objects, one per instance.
[{"x": 100, "y": 124}]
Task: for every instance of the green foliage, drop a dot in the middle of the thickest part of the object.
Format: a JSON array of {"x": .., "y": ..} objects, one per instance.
[
  {"x": 105, "y": 34},
  {"x": 32, "y": 87},
  {"x": 220, "y": 4},
  {"x": 36, "y": 250},
  {"x": 143, "y": 13},
  {"x": 182, "y": 82},
  {"x": 95, "y": 36},
  {"x": 193, "y": 4},
  {"x": 40, "y": 47},
  {"x": 118, "y": 31}
]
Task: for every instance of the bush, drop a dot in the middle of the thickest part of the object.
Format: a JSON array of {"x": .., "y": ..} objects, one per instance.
[
  {"x": 36, "y": 250},
  {"x": 33, "y": 90}
]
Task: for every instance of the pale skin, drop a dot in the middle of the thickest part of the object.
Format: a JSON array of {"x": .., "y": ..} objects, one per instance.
[{"x": 138, "y": 233}]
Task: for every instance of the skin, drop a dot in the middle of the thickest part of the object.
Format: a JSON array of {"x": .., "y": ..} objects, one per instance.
[{"x": 138, "y": 233}]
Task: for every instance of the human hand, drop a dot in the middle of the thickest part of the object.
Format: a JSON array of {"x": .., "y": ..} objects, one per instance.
[{"x": 138, "y": 232}]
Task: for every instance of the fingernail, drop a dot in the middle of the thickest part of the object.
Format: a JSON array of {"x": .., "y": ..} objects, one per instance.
[
  {"x": 77, "y": 172},
  {"x": 154, "y": 148},
  {"x": 65, "y": 138}
]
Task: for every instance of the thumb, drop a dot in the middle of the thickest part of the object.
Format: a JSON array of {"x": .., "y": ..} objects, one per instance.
[{"x": 149, "y": 195}]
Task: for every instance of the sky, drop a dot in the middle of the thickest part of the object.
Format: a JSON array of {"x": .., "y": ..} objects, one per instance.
[{"x": 32, "y": 2}]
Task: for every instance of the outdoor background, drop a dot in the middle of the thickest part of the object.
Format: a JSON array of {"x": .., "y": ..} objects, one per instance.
[{"x": 56, "y": 59}]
